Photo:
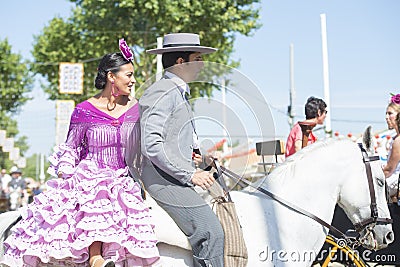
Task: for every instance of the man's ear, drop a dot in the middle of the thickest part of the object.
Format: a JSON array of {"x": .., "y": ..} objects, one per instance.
[{"x": 180, "y": 61}]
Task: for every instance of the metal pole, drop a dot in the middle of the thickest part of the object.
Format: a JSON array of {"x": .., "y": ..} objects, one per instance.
[
  {"x": 37, "y": 167},
  {"x": 42, "y": 176},
  {"x": 159, "y": 62},
  {"x": 291, "y": 112},
  {"x": 328, "y": 128}
]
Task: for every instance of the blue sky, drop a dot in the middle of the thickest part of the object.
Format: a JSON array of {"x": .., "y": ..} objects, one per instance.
[{"x": 363, "y": 51}]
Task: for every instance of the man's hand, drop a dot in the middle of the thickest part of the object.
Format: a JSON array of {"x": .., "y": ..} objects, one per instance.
[
  {"x": 197, "y": 158},
  {"x": 203, "y": 161},
  {"x": 203, "y": 179}
]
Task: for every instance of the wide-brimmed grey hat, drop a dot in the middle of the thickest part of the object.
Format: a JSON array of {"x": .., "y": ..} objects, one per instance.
[
  {"x": 15, "y": 169},
  {"x": 175, "y": 42}
]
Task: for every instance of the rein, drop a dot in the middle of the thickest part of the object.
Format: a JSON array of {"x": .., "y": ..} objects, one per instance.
[
  {"x": 374, "y": 219},
  {"x": 238, "y": 179}
]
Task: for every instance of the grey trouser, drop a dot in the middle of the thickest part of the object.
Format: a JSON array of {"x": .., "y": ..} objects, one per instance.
[{"x": 195, "y": 218}]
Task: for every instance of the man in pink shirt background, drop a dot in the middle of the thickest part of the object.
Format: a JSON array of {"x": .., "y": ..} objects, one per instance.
[{"x": 315, "y": 110}]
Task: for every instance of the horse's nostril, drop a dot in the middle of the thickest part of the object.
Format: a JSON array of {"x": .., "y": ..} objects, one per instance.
[{"x": 389, "y": 238}]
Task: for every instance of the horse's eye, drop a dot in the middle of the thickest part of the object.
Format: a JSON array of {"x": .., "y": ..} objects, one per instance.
[{"x": 381, "y": 182}]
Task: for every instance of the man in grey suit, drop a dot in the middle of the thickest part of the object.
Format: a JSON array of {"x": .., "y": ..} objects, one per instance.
[{"x": 169, "y": 139}]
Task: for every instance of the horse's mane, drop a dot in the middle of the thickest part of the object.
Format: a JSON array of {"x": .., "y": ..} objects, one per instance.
[{"x": 287, "y": 168}]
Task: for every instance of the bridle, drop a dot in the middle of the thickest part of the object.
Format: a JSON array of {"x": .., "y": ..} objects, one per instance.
[{"x": 367, "y": 224}]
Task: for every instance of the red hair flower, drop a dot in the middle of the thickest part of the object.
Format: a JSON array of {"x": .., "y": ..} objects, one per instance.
[
  {"x": 395, "y": 99},
  {"x": 125, "y": 50}
]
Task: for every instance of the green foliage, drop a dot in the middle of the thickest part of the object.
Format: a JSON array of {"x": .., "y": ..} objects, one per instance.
[
  {"x": 10, "y": 125},
  {"x": 33, "y": 165},
  {"x": 15, "y": 79},
  {"x": 95, "y": 27},
  {"x": 15, "y": 82}
]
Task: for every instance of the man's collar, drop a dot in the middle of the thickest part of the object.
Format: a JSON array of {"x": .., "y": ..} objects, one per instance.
[{"x": 182, "y": 85}]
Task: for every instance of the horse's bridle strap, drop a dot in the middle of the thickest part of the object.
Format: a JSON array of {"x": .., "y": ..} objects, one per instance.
[
  {"x": 374, "y": 219},
  {"x": 238, "y": 179},
  {"x": 361, "y": 225},
  {"x": 374, "y": 209}
]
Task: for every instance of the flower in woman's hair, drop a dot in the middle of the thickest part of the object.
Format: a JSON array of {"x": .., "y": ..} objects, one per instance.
[
  {"x": 125, "y": 50},
  {"x": 395, "y": 99}
]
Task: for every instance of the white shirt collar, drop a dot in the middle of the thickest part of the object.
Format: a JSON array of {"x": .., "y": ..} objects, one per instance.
[{"x": 182, "y": 85}]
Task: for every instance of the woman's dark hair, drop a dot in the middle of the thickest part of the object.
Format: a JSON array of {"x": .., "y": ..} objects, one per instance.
[
  {"x": 169, "y": 59},
  {"x": 312, "y": 106},
  {"x": 110, "y": 62}
]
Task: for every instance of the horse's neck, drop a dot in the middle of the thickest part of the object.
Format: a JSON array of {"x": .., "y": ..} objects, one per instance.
[
  {"x": 270, "y": 227},
  {"x": 313, "y": 183},
  {"x": 313, "y": 188}
]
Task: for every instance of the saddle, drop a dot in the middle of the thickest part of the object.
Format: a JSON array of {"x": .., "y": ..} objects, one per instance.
[{"x": 235, "y": 251}]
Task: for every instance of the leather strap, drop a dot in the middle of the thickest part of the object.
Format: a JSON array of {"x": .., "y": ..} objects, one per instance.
[
  {"x": 282, "y": 201},
  {"x": 374, "y": 209},
  {"x": 374, "y": 219},
  {"x": 220, "y": 179}
]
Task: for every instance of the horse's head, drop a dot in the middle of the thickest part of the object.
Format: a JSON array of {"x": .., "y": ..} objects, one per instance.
[{"x": 363, "y": 198}]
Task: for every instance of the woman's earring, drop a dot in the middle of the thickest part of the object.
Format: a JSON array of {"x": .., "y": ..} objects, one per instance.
[{"x": 113, "y": 89}]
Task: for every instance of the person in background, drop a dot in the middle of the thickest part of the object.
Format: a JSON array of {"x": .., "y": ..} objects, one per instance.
[
  {"x": 36, "y": 189},
  {"x": 5, "y": 178},
  {"x": 93, "y": 214},
  {"x": 16, "y": 178},
  {"x": 392, "y": 167},
  {"x": 301, "y": 134},
  {"x": 169, "y": 145},
  {"x": 18, "y": 184}
]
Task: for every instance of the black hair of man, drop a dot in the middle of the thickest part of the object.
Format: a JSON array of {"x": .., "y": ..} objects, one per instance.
[
  {"x": 169, "y": 59},
  {"x": 312, "y": 107}
]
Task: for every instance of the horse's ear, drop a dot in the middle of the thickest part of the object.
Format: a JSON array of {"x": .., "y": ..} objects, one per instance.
[{"x": 367, "y": 138}]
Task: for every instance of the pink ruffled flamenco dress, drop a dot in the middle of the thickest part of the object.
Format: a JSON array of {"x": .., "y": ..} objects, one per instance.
[{"x": 96, "y": 200}]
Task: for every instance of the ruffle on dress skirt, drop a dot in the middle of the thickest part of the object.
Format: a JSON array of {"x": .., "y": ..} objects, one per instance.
[{"x": 92, "y": 205}]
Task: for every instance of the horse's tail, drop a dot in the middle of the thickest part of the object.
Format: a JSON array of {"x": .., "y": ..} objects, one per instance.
[{"x": 7, "y": 220}]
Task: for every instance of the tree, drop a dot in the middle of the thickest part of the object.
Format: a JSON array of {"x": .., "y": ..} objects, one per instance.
[
  {"x": 10, "y": 126},
  {"x": 15, "y": 82},
  {"x": 96, "y": 25},
  {"x": 33, "y": 167}
]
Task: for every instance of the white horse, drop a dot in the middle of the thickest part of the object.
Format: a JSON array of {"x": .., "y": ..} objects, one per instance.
[{"x": 314, "y": 179}]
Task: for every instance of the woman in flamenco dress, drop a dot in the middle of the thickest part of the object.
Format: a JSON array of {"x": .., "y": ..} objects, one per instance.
[{"x": 92, "y": 214}]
